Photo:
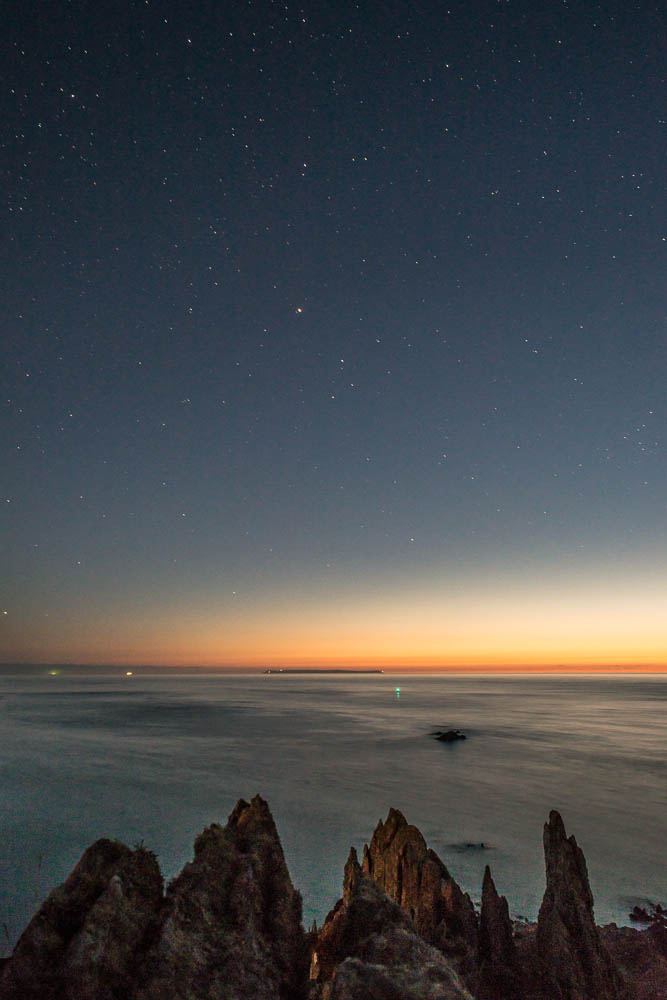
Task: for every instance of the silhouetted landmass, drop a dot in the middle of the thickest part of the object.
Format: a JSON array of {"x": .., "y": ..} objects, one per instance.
[
  {"x": 314, "y": 670},
  {"x": 229, "y": 928}
]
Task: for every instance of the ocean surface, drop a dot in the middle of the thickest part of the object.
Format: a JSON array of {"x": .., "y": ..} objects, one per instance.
[{"x": 154, "y": 758}]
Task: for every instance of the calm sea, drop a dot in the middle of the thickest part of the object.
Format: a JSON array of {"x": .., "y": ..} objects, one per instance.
[{"x": 155, "y": 758}]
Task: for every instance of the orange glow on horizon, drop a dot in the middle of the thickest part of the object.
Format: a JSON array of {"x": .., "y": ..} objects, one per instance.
[
  {"x": 198, "y": 657},
  {"x": 596, "y": 624},
  {"x": 309, "y": 648}
]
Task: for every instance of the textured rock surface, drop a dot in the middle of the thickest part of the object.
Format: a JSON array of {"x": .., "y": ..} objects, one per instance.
[
  {"x": 230, "y": 927},
  {"x": 85, "y": 941},
  {"x": 499, "y": 977},
  {"x": 368, "y": 947},
  {"x": 575, "y": 964},
  {"x": 397, "y": 965},
  {"x": 232, "y": 920},
  {"x": 411, "y": 874},
  {"x": 643, "y": 957}
]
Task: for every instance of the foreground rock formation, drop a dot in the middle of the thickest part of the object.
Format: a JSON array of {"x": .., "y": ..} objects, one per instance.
[
  {"x": 411, "y": 874},
  {"x": 369, "y": 947},
  {"x": 575, "y": 964},
  {"x": 498, "y": 968},
  {"x": 229, "y": 927}
]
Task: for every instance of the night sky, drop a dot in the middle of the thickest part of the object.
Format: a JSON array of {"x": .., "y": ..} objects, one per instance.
[{"x": 333, "y": 333}]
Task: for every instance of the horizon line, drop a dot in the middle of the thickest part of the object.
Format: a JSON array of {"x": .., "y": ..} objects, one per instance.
[{"x": 387, "y": 668}]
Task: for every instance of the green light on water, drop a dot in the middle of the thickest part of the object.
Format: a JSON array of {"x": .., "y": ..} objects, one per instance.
[
  {"x": 53, "y": 673},
  {"x": 398, "y": 692}
]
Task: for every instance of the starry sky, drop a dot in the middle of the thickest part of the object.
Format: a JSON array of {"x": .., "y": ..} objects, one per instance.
[{"x": 333, "y": 334}]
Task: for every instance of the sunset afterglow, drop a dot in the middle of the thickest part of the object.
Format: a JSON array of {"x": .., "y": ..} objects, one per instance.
[
  {"x": 350, "y": 351},
  {"x": 520, "y": 626}
]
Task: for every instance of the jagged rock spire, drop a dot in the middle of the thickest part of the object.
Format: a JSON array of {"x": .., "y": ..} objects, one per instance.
[
  {"x": 499, "y": 976},
  {"x": 411, "y": 874},
  {"x": 368, "y": 947},
  {"x": 232, "y": 918},
  {"x": 575, "y": 965},
  {"x": 90, "y": 931},
  {"x": 229, "y": 926}
]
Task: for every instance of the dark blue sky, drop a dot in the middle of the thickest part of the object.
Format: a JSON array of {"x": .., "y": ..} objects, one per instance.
[{"x": 312, "y": 307}]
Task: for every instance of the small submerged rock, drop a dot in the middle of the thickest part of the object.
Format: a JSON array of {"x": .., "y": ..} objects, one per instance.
[
  {"x": 468, "y": 846},
  {"x": 448, "y": 735}
]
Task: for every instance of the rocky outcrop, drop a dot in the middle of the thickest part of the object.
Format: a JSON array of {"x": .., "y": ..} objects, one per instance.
[
  {"x": 499, "y": 976},
  {"x": 231, "y": 926},
  {"x": 574, "y": 962},
  {"x": 411, "y": 874},
  {"x": 643, "y": 957},
  {"x": 368, "y": 947},
  {"x": 653, "y": 914},
  {"x": 87, "y": 938}
]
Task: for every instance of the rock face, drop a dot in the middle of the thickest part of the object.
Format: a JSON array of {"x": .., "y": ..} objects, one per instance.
[
  {"x": 499, "y": 976},
  {"x": 643, "y": 955},
  {"x": 368, "y": 947},
  {"x": 411, "y": 874},
  {"x": 231, "y": 926},
  {"x": 89, "y": 933},
  {"x": 575, "y": 964}
]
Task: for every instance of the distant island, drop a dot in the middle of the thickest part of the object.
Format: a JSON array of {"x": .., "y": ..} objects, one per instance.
[{"x": 314, "y": 670}]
